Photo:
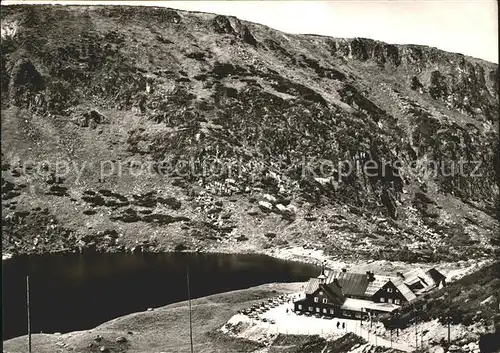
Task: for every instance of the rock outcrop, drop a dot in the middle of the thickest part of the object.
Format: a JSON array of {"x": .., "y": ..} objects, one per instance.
[{"x": 207, "y": 131}]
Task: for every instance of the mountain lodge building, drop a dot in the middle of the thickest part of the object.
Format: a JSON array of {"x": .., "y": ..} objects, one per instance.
[{"x": 358, "y": 295}]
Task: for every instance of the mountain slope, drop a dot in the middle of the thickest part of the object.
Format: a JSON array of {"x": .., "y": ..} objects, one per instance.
[{"x": 200, "y": 131}]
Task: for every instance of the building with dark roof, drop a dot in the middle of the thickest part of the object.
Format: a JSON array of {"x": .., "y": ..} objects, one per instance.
[
  {"x": 356, "y": 295},
  {"x": 353, "y": 285},
  {"x": 321, "y": 298},
  {"x": 420, "y": 281}
]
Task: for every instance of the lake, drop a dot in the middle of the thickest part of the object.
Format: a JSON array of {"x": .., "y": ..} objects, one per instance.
[{"x": 80, "y": 291}]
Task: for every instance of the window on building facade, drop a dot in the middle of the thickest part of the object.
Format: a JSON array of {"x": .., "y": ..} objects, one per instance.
[
  {"x": 320, "y": 293},
  {"x": 332, "y": 312},
  {"x": 300, "y": 307},
  {"x": 382, "y": 299},
  {"x": 310, "y": 308},
  {"x": 316, "y": 299},
  {"x": 389, "y": 300},
  {"x": 389, "y": 290},
  {"x": 317, "y": 310},
  {"x": 325, "y": 301},
  {"x": 324, "y": 311},
  {"x": 397, "y": 301}
]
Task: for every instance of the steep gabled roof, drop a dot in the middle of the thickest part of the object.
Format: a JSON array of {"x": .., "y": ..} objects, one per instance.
[
  {"x": 358, "y": 284},
  {"x": 419, "y": 275},
  {"x": 374, "y": 286},
  {"x": 350, "y": 282},
  {"x": 334, "y": 292},
  {"x": 403, "y": 289},
  {"x": 436, "y": 276},
  {"x": 415, "y": 279},
  {"x": 312, "y": 286},
  {"x": 330, "y": 275}
]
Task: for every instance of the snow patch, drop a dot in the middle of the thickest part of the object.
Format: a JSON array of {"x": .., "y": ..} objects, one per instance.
[{"x": 9, "y": 30}]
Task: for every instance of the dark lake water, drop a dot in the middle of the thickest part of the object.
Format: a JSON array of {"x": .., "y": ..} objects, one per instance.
[{"x": 80, "y": 291}]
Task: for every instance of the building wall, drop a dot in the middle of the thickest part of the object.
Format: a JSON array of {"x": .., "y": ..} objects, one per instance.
[
  {"x": 353, "y": 314},
  {"x": 333, "y": 310},
  {"x": 317, "y": 307}
]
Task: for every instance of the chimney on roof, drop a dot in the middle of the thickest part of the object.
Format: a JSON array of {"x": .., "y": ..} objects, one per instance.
[
  {"x": 400, "y": 274},
  {"x": 370, "y": 275},
  {"x": 344, "y": 269}
]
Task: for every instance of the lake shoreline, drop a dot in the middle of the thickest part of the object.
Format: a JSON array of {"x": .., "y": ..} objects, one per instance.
[
  {"x": 221, "y": 306},
  {"x": 304, "y": 256},
  {"x": 298, "y": 254},
  {"x": 93, "y": 285}
]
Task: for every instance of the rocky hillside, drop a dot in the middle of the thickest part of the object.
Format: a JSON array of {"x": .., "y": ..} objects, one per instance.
[{"x": 157, "y": 129}]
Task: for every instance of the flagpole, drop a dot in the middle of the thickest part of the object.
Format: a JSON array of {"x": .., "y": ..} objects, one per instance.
[
  {"x": 28, "y": 311},
  {"x": 416, "y": 332},
  {"x": 189, "y": 304}
]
